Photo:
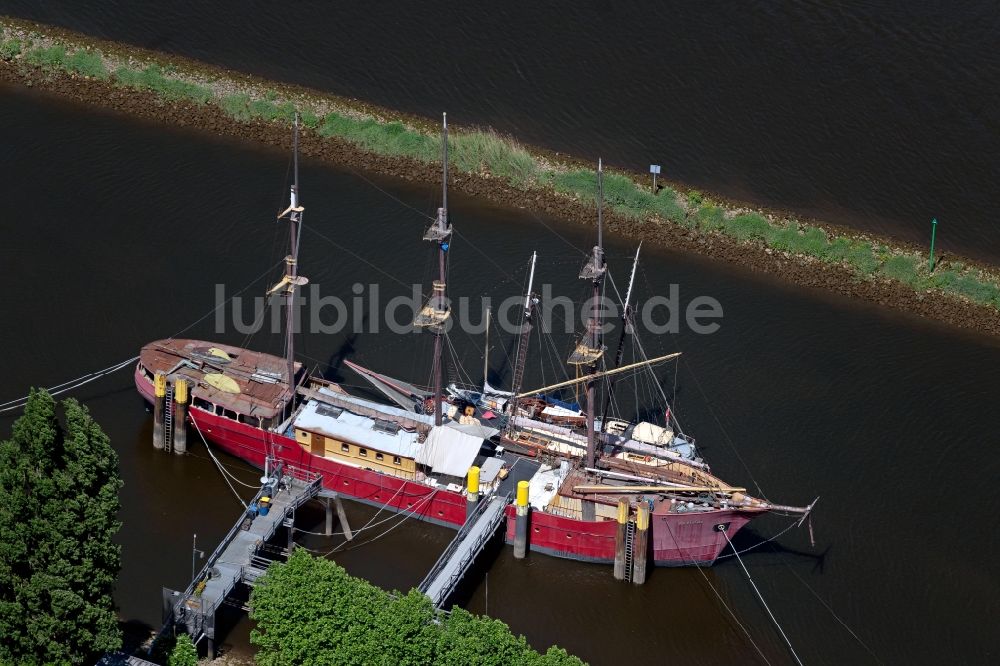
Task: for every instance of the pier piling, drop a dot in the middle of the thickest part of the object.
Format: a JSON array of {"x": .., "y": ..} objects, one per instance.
[
  {"x": 620, "y": 545},
  {"x": 521, "y": 520},
  {"x": 472, "y": 490},
  {"x": 180, "y": 423},
  {"x": 159, "y": 402},
  {"x": 641, "y": 544},
  {"x": 329, "y": 516}
]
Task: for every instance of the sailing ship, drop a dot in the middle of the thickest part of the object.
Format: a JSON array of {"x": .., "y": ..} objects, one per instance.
[{"x": 413, "y": 457}]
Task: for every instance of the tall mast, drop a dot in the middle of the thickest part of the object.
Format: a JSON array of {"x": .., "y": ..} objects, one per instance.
[
  {"x": 437, "y": 310},
  {"x": 486, "y": 351},
  {"x": 589, "y": 351},
  {"x": 292, "y": 279},
  {"x": 626, "y": 330},
  {"x": 522, "y": 345}
]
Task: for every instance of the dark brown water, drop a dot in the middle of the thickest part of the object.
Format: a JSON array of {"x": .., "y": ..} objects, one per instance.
[
  {"x": 117, "y": 232},
  {"x": 877, "y": 115}
]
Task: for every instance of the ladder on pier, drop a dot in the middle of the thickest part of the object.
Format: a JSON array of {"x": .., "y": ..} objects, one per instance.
[
  {"x": 458, "y": 557},
  {"x": 168, "y": 419},
  {"x": 629, "y": 556}
]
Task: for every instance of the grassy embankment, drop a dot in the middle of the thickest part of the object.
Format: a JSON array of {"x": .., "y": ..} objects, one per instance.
[{"x": 487, "y": 153}]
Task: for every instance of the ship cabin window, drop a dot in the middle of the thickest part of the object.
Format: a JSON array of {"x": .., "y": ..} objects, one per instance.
[
  {"x": 388, "y": 427},
  {"x": 201, "y": 403},
  {"x": 249, "y": 420},
  {"x": 363, "y": 453},
  {"x": 230, "y": 414},
  {"x": 396, "y": 460},
  {"x": 379, "y": 456},
  {"x": 218, "y": 410},
  {"x": 346, "y": 448}
]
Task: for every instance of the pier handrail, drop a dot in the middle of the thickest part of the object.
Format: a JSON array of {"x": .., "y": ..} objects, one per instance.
[{"x": 472, "y": 552}]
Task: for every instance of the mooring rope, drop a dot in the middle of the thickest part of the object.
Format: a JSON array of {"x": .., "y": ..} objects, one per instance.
[
  {"x": 718, "y": 596},
  {"x": 11, "y": 405},
  {"x": 764, "y": 603}
]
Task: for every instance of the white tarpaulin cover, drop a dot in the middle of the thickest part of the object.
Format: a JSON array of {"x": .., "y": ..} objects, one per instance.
[
  {"x": 449, "y": 451},
  {"x": 652, "y": 434}
]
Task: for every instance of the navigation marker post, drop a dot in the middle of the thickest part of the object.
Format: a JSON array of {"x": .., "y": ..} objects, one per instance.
[
  {"x": 654, "y": 169},
  {"x": 930, "y": 261}
]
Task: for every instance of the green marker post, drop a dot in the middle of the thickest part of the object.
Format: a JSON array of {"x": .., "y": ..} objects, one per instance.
[{"x": 930, "y": 261}]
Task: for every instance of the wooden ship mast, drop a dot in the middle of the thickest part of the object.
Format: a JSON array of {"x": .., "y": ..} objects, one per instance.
[
  {"x": 435, "y": 313},
  {"x": 590, "y": 350},
  {"x": 295, "y": 213}
]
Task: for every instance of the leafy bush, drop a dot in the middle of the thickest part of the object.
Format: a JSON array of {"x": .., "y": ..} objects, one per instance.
[
  {"x": 747, "y": 226},
  {"x": 900, "y": 267},
  {"x": 309, "y": 118},
  {"x": 711, "y": 217},
  {"x": 976, "y": 290},
  {"x": 814, "y": 242},
  {"x": 184, "y": 652},
  {"x": 695, "y": 198},
  {"x": 861, "y": 257},
  {"x": 308, "y": 610},
  {"x": 388, "y": 139},
  {"x": 502, "y": 158},
  {"x": 236, "y": 106},
  {"x": 667, "y": 206},
  {"x": 48, "y": 57},
  {"x": 11, "y": 48},
  {"x": 152, "y": 78},
  {"x": 579, "y": 182},
  {"x": 88, "y": 63}
]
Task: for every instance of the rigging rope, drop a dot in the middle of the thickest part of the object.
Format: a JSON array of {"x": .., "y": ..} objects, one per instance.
[
  {"x": 92, "y": 376},
  {"x": 219, "y": 465},
  {"x": 761, "y": 597}
]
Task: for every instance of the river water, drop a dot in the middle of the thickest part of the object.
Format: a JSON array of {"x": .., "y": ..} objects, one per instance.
[
  {"x": 118, "y": 232},
  {"x": 871, "y": 114}
]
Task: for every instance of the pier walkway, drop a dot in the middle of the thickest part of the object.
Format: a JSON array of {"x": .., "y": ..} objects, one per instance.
[
  {"x": 242, "y": 556},
  {"x": 482, "y": 524}
]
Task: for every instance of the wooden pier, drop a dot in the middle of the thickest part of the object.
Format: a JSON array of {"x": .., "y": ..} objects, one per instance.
[{"x": 242, "y": 556}]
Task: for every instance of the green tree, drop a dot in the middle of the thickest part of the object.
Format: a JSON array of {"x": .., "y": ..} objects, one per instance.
[
  {"x": 309, "y": 611},
  {"x": 184, "y": 652},
  {"x": 58, "y": 560}
]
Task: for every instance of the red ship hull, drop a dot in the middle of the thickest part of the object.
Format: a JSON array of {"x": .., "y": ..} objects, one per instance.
[{"x": 677, "y": 539}]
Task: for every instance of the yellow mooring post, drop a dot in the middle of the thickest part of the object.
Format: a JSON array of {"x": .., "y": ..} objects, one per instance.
[
  {"x": 641, "y": 544},
  {"x": 180, "y": 416},
  {"x": 623, "y": 510},
  {"x": 159, "y": 400},
  {"x": 472, "y": 488},
  {"x": 521, "y": 520}
]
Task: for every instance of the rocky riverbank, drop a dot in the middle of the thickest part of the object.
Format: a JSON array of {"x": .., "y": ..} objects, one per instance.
[{"x": 352, "y": 133}]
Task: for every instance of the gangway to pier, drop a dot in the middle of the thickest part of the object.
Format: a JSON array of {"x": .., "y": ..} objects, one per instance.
[
  {"x": 243, "y": 555},
  {"x": 455, "y": 561}
]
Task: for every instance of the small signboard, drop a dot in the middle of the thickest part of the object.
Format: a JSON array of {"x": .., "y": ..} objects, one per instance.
[{"x": 654, "y": 168}]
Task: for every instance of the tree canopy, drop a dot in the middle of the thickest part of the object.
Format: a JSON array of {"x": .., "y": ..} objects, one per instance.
[
  {"x": 310, "y": 612},
  {"x": 184, "y": 652},
  {"x": 58, "y": 518}
]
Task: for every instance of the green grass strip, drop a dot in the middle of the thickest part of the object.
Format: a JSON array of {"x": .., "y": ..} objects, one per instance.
[{"x": 487, "y": 153}]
